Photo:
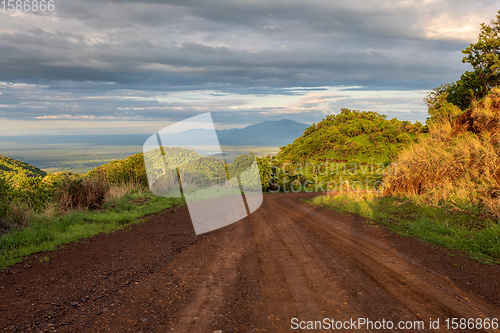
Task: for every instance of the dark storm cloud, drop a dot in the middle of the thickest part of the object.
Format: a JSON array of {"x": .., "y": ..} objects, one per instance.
[
  {"x": 67, "y": 57},
  {"x": 315, "y": 43},
  {"x": 88, "y": 48}
]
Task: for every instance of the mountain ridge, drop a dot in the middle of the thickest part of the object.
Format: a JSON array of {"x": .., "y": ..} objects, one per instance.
[{"x": 267, "y": 133}]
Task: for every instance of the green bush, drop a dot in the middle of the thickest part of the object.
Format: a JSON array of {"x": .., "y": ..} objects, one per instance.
[
  {"x": 4, "y": 197},
  {"x": 265, "y": 171},
  {"x": 130, "y": 169},
  {"x": 33, "y": 192},
  {"x": 17, "y": 202}
]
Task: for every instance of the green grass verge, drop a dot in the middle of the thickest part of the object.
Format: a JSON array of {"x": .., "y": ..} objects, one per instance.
[
  {"x": 47, "y": 233},
  {"x": 476, "y": 235}
]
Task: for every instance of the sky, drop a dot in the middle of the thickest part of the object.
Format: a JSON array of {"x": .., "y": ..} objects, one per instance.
[{"x": 118, "y": 67}]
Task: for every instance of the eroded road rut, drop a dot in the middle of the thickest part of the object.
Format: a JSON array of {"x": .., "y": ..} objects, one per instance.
[{"x": 287, "y": 260}]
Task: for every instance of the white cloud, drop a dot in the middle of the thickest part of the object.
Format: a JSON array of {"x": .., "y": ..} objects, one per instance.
[
  {"x": 451, "y": 27},
  {"x": 272, "y": 27}
]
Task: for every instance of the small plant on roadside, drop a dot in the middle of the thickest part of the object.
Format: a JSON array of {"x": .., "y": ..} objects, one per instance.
[{"x": 80, "y": 192}]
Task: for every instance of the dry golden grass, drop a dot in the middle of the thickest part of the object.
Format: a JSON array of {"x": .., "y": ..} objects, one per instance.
[
  {"x": 120, "y": 190},
  {"x": 457, "y": 163}
]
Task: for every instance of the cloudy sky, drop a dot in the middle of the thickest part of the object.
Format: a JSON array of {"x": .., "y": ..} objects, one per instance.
[{"x": 135, "y": 66}]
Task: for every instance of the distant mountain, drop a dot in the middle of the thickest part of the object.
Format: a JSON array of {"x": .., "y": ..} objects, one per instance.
[
  {"x": 11, "y": 169},
  {"x": 267, "y": 133}
]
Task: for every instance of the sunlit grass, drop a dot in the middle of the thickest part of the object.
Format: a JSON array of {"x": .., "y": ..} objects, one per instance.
[
  {"x": 476, "y": 235},
  {"x": 46, "y": 231}
]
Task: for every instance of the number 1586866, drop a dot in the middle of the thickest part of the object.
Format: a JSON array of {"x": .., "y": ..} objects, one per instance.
[{"x": 28, "y": 5}]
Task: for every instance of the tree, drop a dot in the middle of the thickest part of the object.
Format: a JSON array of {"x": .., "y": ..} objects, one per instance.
[
  {"x": 484, "y": 57},
  {"x": 470, "y": 87},
  {"x": 438, "y": 106},
  {"x": 265, "y": 171}
]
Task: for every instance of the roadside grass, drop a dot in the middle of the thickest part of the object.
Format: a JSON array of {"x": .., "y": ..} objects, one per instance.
[
  {"x": 477, "y": 235},
  {"x": 47, "y": 230}
]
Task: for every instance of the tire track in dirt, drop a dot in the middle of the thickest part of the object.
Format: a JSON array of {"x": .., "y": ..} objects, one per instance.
[{"x": 424, "y": 294}]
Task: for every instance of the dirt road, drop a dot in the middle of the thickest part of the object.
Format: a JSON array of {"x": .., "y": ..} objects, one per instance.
[{"x": 287, "y": 260}]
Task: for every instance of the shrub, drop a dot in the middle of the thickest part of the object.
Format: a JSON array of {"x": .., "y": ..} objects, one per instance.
[
  {"x": 4, "y": 193},
  {"x": 265, "y": 171},
  {"x": 32, "y": 192},
  {"x": 123, "y": 171},
  {"x": 18, "y": 202},
  {"x": 77, "y": 192}
]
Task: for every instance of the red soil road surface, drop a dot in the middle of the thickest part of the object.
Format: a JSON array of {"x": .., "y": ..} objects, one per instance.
[{"x": 288, "y": 259}]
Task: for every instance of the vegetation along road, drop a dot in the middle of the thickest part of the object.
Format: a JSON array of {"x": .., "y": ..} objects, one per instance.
[{"x": 286, "y": 265}]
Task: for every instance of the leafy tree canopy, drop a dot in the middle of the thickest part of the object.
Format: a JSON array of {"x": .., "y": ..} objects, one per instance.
[
  {"x": 358, "y": 136},
  {"x": 484, "y": 57}
]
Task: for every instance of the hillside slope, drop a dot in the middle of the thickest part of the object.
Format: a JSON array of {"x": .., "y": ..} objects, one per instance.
[
  {"x": 12, "y": 169},
  {"x": 356, "y": 136}
]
